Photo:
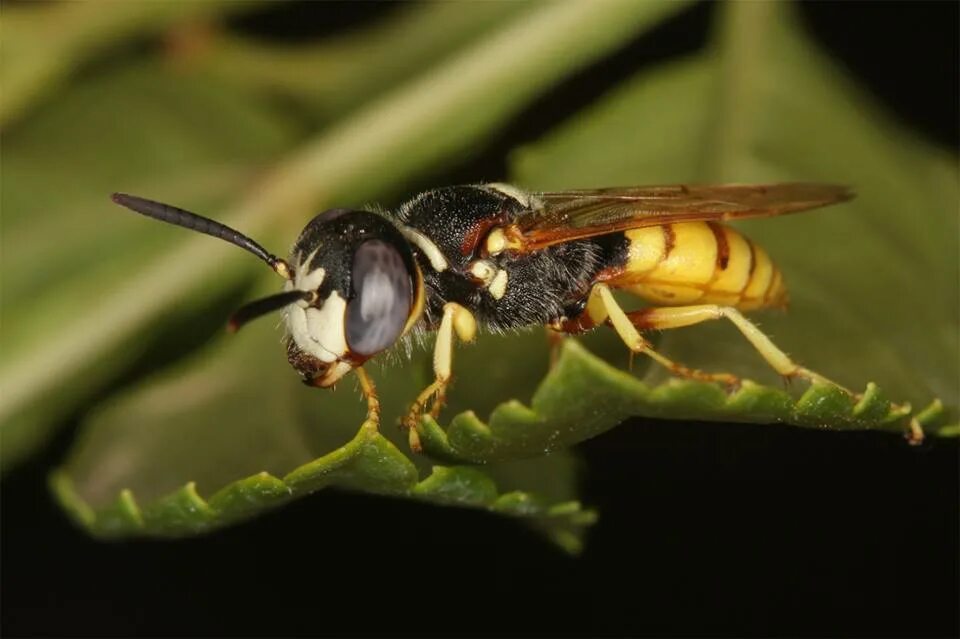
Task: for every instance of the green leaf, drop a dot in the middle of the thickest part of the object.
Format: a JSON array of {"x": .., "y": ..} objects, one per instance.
[
  {"x": 369, "y": 463},
  {"x": 583, "y": 396},
  {"x": 438, "y": 115}
]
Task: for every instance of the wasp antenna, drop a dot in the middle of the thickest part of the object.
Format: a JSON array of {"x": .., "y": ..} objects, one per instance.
[
  {"x": 194, "y": 222},
  {"x": 266, "y": 305}
]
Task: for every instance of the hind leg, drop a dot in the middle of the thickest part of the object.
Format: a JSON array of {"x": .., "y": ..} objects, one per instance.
[
  {"x": 627, "y": 325},
  {"x": 680, "y": 316},
  {"x": 602, "y": 307}
]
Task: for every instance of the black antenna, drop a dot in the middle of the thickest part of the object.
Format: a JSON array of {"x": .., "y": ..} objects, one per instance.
[
  {"x": 266, "y": 305},
  {"x": 194, "y": 222}
]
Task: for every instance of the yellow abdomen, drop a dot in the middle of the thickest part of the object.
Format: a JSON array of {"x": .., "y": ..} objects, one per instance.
[{"x": 699, "y": 263}]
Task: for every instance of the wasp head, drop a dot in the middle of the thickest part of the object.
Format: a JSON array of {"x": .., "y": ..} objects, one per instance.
[
  {"x": 360, "y": 292},
  {"x": 353, "y": 287}
]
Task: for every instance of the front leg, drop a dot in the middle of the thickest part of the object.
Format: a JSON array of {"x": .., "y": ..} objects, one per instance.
[
  {"x": 370, "y": 394},
  {"x": 455, "y": 319}
]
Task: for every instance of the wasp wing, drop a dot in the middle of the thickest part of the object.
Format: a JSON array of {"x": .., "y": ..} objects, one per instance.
[{"x": 569, "y": 215}]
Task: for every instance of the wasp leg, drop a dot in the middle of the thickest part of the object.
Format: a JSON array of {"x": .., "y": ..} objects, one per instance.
[
  {"x": 370, "y": 394},
  {"x": 680, "y": 316},
  {"x": 455, "y": 319},
  {"x": 914, "y": 434},
  {"x": 555, "y": 340},
  {"x": 625, "y": 328},
  {"x": 439, "y": 400}
]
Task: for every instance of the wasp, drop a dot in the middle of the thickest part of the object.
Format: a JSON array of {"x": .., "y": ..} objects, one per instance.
[{"x": 498, "y": 257}]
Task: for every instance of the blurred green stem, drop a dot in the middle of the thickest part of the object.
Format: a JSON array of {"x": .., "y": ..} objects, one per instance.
[
  {"x": 740, "y": 42},
  {"x": 332, "y": 75},
  {"x": 43, "y": 43}
]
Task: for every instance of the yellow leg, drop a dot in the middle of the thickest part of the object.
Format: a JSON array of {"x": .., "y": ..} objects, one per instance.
[
  {"x": 622, "y": 324},
  {"x": 370, "y": 393},
  {"x": 680, "y": 316},
  {"x": 456, "y": 319},
  {"x": 626, "y": 325},
  {"x": 439, "y": 401},
  {"x": 915, "y": 435},
  {"x": 555, "y": 341}
]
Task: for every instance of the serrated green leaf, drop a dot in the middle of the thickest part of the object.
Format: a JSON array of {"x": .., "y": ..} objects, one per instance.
[
  {"x": 123, "y": 514},
  {"x": 369, "y": 463},
  {"x": 246, "y": 497},
  {"x": 182, "y": 511},
  {"x": 583, "y": 396},
  {"x": 462, "y": 485}
]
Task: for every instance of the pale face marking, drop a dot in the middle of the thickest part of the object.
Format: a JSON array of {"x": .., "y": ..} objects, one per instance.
[
  {"x": 311, "y": 281},
  {"x": 320, "y": 331},
  {"x": 307, "y": 281}
]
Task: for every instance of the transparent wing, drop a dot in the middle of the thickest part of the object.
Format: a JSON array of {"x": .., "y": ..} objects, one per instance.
[{"x": 570, "y": 215}]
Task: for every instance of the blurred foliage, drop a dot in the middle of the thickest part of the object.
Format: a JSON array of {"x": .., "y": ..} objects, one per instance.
[{"x": 216, "y": 122}]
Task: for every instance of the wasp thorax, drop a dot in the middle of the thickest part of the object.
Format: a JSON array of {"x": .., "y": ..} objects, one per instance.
[{"x": 365, "y": 282}]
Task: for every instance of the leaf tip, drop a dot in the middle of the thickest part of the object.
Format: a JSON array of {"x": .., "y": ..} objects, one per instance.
[{"x": 64, "y": 492}]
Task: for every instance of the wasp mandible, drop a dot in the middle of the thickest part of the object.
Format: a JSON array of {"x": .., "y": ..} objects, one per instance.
[{"x": 493, "y": 255}]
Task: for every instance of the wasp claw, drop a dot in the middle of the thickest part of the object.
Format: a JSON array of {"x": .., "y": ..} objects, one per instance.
[
  {"x": 439, "y": 401},
  {"x": 733, "y": 385},
  {"x": 915, "y": 435},
  {"x": 413, "y": 438},
  {"x": 410, "y": 423}
]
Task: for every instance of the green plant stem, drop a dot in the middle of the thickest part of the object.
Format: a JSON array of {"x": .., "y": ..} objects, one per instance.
[
  {"x": 740, "y": 39},
  {"x": 44, "y": 44}
]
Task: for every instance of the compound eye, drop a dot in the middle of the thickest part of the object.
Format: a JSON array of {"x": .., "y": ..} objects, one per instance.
[{"x": 382, "y": 298}]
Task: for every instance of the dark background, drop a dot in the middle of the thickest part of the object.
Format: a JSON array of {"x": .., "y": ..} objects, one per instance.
[{"x": 705, "y": 529}]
